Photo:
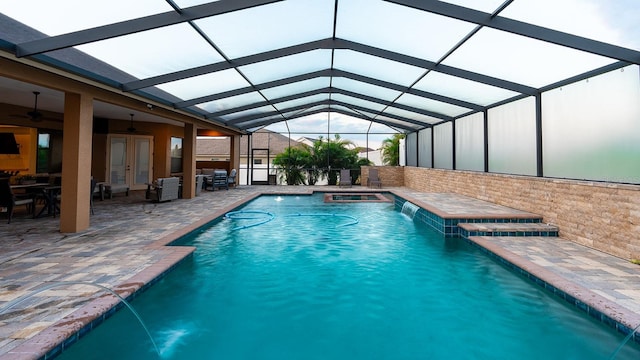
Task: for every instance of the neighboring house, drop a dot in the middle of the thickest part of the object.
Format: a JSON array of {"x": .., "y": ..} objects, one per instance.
[
  {"x": 375, "y": 156},
  {"x": 306, "y": 140},
  {"x": 265, "y": 145}
]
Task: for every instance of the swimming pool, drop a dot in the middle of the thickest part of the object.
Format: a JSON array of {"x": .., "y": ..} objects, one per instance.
[{"x": 310, "y": 282}]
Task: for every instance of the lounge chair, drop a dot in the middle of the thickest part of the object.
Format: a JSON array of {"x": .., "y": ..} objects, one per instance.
[
  {"x": 345, "y": 178},
  {"x": 9, "y": 200},
  {"x": 164, "y": 189},
  {"x": 373, "y": 179}
]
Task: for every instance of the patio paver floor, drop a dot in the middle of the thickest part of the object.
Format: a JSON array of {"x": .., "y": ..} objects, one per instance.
[{"x": 123, "y": 249}]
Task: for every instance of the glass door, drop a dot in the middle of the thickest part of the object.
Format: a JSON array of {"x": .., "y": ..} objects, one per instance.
[
  {"x": 130, "y": 160},
  {"x": 118, "y": 160},
  {"x": 142, "y": 163}
]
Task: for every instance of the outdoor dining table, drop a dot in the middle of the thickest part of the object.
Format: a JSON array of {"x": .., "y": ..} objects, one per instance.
[{"x": 44, "y": 191}]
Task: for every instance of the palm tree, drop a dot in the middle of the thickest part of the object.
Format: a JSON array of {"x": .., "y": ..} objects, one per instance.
[
  {"x": 291, "y": 165},
  {"x": 391, "y": 150},
  {"x": 333, "y": 155},
  {"x": 324, "y": 158}
]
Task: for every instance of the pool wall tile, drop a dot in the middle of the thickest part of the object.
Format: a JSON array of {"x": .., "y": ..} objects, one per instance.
[
  {"x": 449, "y": 228},
  {"x": 591, "y": 311}
]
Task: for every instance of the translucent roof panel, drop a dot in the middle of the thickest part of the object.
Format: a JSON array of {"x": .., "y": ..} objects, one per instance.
[
  {"x": 412, "y": 115},
  {"x": 255, "y": 111},
  {"x": 520, "y": 59},
  {"x": 301, "y": 101},
  {"x": 401, "y": 124},
  {"x": 232, "y": 102},
  {"x": 269, "y": 27},
  {"x": 463, "y": 89},
  {"x": 347, "y": 109},
  {"x": 381, "y": 129},
  {"x": 287, "y": 66},
  {"x": 613, "y": 22},
  {"x": 188, "y": 49},
  {"x": 375, "y": 91},
  {"x": 74, "y": 15},
  {"x": 205, "y": 84},
  {"x": 359, "y": 102},
  {"x": 296, "y": 87},
  {"x": 311, "y": 110},
  {"x": 392, "y": 121},
  {"x": 404, "y": 30},
  {"x": 375, "y": 67},
  {"x": 431, "y": 105},
  {"x": 358, "y": 50}
]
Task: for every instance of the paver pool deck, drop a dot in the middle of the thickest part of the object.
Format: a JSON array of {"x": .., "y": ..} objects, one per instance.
[{"x": 124, "y": 249}]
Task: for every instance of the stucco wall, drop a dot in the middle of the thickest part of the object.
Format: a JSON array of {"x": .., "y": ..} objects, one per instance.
[{"x": 599, "y": 215}]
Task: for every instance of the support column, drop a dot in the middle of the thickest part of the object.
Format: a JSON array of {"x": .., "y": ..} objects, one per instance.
[
  {"x": 76, "y": 162},
  {"x": 189, "y": 162},
  {"x": 235, "y": 153},
  {"x": 539, "y": 157}
]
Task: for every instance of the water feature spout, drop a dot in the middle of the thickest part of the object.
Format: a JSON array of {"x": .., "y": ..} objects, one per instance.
[
  {"x": 624, "y": 342},
  {"x": 409, "y": 209},
  {"x": 49, "y": 286}
]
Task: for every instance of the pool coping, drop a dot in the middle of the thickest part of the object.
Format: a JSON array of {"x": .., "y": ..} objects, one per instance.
[
  {"x": 598, "y": 307},
  {"x": 54, "y": 339},
  {"x": 328, "y": 197}
]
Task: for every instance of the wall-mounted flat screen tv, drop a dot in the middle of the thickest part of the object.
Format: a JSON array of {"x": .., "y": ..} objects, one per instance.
[{"x": 8, "y": 144}]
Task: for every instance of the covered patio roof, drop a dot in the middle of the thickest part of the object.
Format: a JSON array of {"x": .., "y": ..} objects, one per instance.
[{"x": 401, "y": 65}]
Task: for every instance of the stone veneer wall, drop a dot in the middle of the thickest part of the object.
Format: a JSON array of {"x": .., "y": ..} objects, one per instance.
[
  {"x": 389, "y": 175},
  {"x": 604, "y": 216}
]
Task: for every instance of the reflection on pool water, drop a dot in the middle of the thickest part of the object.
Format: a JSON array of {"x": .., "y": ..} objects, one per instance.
[{"x": 325, "y": 287}]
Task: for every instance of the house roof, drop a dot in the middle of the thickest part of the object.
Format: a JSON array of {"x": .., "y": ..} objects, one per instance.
[
  {"x": 261, "y": 139},
  {"x": 402, "y": 64}
]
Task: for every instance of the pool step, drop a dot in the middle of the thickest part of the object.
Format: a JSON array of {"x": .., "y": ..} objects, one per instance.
[{"x": 507, "y": 229}]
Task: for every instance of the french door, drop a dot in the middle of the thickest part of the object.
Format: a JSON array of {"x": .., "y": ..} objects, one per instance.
[{"x": 130, "y": 160}]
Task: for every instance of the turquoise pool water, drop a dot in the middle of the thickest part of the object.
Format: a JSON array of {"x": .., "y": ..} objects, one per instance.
[{"x": 309, "y": 285}]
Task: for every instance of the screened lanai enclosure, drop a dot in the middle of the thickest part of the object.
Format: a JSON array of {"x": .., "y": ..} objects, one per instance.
[{"x": 529, "y": 87}]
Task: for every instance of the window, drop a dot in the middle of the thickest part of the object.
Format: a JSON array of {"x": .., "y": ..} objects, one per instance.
[
  {"x": 44, "y": 153},
  {"x": 176, "y": 155},
  {"x": 257, "y": 161}
]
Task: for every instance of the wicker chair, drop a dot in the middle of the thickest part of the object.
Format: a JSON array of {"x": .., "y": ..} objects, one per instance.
[{"x": 164, "y": 189}]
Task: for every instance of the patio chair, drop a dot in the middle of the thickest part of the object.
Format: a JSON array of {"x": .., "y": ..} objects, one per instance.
[
  {"x": 231, "y": 180},
  {"x": 9, "y": 200},
  {"x": 93, "y": 192},
  {"x": 199, "y": 183},
  {"x": 345, "y": 178},
  {"x": 164, "y": 189},
  {"x": 374, "y": 180}
]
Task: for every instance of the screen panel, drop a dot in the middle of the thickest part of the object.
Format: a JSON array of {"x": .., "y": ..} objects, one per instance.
[
  {"x": 411, "y": 146},
  {"x": 443, "y": 146},
  {"x": 591, "y": 129},
  {"x": 470, "y": 142},
  {"x": 424, "y": 148},
  {"x": 512, "y": 138}
]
